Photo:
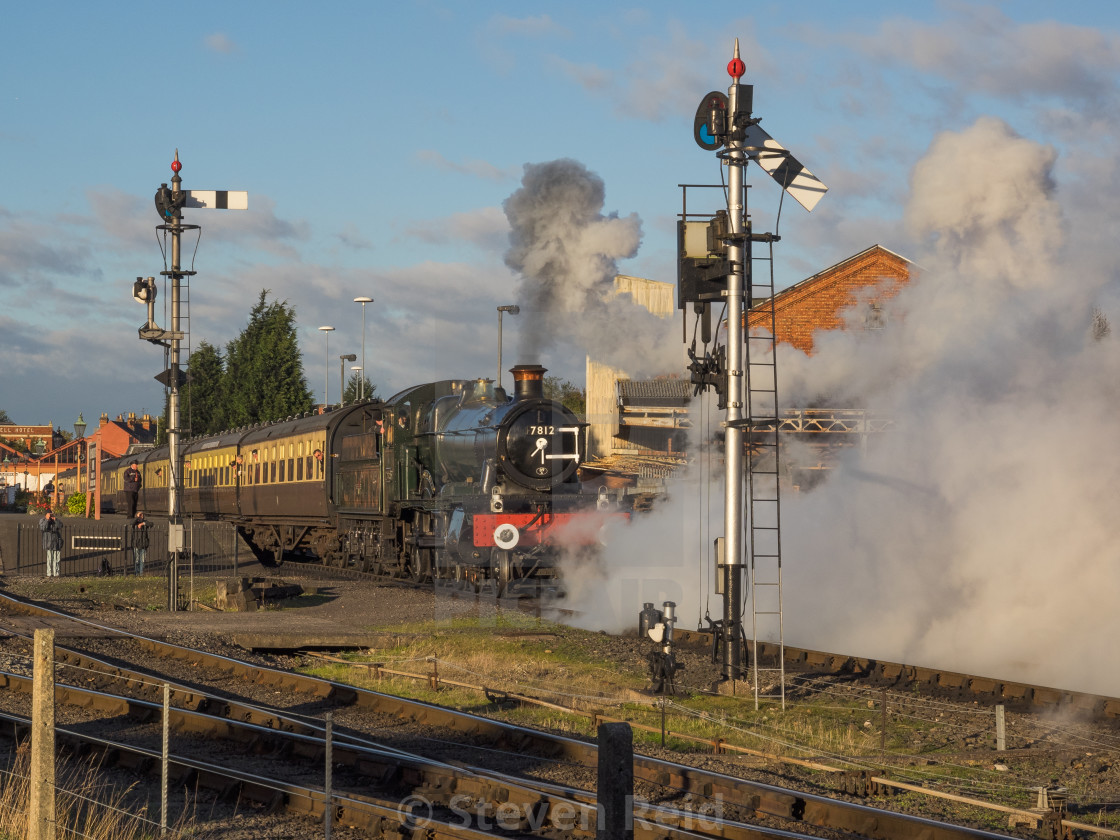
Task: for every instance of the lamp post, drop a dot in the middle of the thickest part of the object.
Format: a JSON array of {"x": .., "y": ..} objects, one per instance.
[
  {"x": 358, "y": 370},
  {"x": 512, "y": 310},
  {"x": 326, "y": 331},
  {"x": 342, "y": 360},
  {"x": 40, "y": 448},
  {"x": 363, "y": 301},
  {"x": 79, "y": 435}
]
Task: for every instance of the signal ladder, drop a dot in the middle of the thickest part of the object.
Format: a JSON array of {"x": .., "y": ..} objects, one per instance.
[{"x": 763, "y": 496}]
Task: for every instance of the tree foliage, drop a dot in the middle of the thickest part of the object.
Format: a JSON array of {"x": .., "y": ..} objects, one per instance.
[
  {"x": 564, "y": 391},
  {"x": 4, "y": 418},
  {"x": 203, "y": 395},
  {"x": 260, "y": 377},
  {"x": 264, "y": 377},
  {"x": 354, "y": 385}
]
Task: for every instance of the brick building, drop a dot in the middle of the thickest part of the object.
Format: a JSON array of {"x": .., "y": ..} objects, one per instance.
[
  {"x": 25, "y": 438},
  {"x": 852, "y": 291},
  {"x": 115, "y": 437}
]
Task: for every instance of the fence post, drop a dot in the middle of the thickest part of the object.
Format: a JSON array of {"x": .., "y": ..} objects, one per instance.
[
  {"x": 1001, "y": 729},
  {"x": 615, "y": 788},
  {"x": 41, "y": 819}
]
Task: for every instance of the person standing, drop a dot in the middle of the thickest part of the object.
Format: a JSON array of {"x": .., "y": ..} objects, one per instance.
[
  {"x": 138, "y": 530},
  {"x": 52, "y": 543},
  {"x": 132, "y": 482}
]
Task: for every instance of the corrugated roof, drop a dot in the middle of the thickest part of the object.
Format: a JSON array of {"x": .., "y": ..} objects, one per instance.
[{"x": 661, "y": 389}]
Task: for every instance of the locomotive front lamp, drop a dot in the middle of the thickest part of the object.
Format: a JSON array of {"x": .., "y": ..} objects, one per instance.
[
  {"x": 363, "y": 301},
  {"x": 326, "y": 331},
  {"x": 512, "y": 310}
]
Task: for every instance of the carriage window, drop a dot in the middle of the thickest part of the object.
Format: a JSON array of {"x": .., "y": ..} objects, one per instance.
[
  {"x": 299, "y": 467},
  {"x": 281, "y": 471}
]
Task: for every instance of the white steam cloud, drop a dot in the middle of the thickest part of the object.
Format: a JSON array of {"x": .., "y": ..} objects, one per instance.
[{"x": 979, "y": 534}]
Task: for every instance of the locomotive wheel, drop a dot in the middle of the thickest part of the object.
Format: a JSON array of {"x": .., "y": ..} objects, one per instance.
[
  {"x": 420, "y": 564},
  {"x": 502, "y": 568}
]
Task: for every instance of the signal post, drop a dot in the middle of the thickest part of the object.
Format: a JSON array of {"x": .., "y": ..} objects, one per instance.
[
  {"x": 714, "y": 267},
  {"x": 169, "y": 205}
]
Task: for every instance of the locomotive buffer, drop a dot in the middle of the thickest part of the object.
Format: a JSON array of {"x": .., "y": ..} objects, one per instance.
[
  {"x": 714, "y": 266},
  {"x": 169, "y": 206}
]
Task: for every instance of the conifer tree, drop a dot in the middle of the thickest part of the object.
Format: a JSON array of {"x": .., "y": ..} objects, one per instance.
[
  {"x": 354, "y": 388},
  {"x": 264, "y": 377},
  {"x": 204, "y": 392}
]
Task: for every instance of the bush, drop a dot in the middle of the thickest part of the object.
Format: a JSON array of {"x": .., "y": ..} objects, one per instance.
[{"x": 76, "y": 504}]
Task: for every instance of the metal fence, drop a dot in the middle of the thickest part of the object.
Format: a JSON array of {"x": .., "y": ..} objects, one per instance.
[{"x": 99, "y": 547}]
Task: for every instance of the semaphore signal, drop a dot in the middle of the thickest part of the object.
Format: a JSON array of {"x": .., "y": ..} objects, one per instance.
[{"x": 169, "y": 202}]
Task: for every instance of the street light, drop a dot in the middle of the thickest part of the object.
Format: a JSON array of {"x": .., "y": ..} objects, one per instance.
[
  {"x": 326, "y": 331},
  {"x": 342, "y": 360},
  {"x": 357, "y": 369},
  {"x": 512, "y": 310},
  {"x": 79, "y": 434},
  {"x": 363, "y": 301}
]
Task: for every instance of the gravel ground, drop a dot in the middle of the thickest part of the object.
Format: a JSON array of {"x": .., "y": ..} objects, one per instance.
[{"x": 1041, "y": 750}]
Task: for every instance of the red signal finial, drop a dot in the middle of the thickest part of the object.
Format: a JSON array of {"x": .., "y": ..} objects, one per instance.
[
  {"x": 175, "y": 165},
  {"x": 735, "y": 67}
]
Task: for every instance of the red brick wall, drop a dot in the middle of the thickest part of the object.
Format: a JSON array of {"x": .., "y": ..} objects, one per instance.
[{"x": 816, "y": 303}]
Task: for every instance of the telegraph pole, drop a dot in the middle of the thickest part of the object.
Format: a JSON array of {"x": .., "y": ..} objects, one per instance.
[{"x": 169, "y": 206}]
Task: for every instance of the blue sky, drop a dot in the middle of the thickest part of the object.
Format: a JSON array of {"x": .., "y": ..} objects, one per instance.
[{"x": 379, "y": 141}]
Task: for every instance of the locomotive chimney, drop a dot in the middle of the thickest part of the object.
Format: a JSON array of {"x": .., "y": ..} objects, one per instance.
[{"x": 528, "y": 382}]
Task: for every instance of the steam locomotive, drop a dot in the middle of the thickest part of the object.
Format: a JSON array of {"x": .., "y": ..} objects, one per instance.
[{"x": 451, "y": 480}]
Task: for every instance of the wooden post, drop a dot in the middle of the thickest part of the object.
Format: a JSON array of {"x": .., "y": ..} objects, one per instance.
[
  {"x": 41, "y": 819},
  {"x": 615, "y": 788},
  {"x": 1001, "y": 729}
]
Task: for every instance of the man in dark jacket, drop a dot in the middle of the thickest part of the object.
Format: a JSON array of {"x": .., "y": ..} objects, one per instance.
[
  {"x": 132, "y": 482},
  {"x": 138, "y": 532},
  {"x": 52, "y": 543}
]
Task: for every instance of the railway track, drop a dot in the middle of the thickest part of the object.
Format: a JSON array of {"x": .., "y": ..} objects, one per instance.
[{"x": 457, "y": 766}]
